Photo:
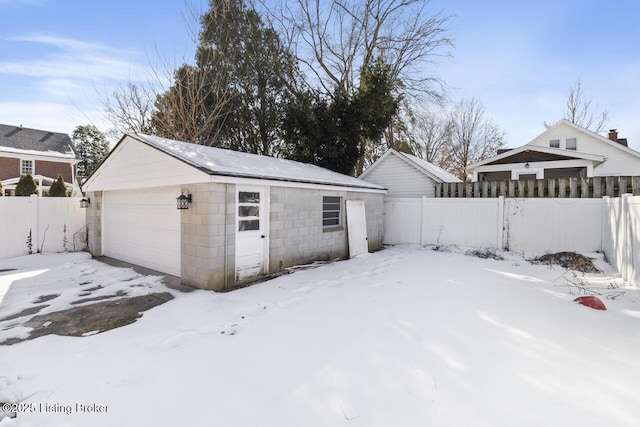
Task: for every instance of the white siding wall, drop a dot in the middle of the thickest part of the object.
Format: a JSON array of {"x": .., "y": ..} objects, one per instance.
[
  {"x": 136, "y": 165},
  {"x": 401, "y": 179},
  {"x": 46, "y": 218},
  {"x": 619, "y": 162}
]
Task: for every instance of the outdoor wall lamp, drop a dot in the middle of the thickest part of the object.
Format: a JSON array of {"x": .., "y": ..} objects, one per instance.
[
  {"x": 184, "y": 199},
  {"x": 84, "y": 202},
  {"x": 526, "y": 165}
]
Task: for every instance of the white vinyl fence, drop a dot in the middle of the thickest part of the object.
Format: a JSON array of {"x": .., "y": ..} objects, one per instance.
[
  {"x": 621, "y": 235},
  {"x": 532, "y": 225},
  {"x": 41, "y": 224},
  {"x": 610, "y": 225}
]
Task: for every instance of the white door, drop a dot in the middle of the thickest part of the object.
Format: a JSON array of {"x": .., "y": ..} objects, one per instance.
[
  {"x": 251, "y": 224},
  {"x": 357, "y": 228},
  {"x": 143, "y": 227}
]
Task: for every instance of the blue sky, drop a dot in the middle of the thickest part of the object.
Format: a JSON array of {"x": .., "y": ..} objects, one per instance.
[{"x": 58, "y": 57}]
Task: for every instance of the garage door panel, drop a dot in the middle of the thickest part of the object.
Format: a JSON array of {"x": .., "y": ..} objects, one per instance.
[{"x": 143, "y": 227}]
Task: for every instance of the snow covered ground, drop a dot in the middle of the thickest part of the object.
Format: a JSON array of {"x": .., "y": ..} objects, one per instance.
[{"x": 407, "y": 336}]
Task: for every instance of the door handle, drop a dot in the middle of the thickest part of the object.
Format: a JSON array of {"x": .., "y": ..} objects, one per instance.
[{"x": 262, "y": 237}]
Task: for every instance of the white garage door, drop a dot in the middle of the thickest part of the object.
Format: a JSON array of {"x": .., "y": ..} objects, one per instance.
[{"x": 143, "y": 227}]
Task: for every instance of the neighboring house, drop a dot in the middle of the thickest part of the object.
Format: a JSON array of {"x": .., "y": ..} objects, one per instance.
[
  {"x": 564, "y": 150},
  {"x": 404, "y": 175},
  {"x": 40, "y": 153},
  {"x": 248, "y": 216}
]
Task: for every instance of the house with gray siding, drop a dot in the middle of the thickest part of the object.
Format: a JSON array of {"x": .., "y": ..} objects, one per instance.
[
  {"x": 217, "y": 218},
  {"x": 405, "y": 175}
]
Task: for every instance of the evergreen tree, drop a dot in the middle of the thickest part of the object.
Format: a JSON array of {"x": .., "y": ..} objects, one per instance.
[
  {"x": 322, "y": 132},
  {"x": 92, "y": 146},
  {"x": 26, "y": 186},
  {"x": 334, "y": 133},
  {"x": 245, "y": 72},
  {"x": 58, "y": 189}
]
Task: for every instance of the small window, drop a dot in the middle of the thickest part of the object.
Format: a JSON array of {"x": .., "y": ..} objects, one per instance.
[
  {"x": 554, "y": 143},
  {"x": 26, "y": 167},
  {"x": 248, "y": 210},
  {"x": 331, "y": 211},
  {"x": 572, "y": 144}
]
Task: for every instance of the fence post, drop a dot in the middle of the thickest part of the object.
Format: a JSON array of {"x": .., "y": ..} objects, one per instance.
[
  {"x": 626, "y": 257},
  {"x": 423, "y": 218},
  {"x": 501, "y": 225},
  {"x": 476, "y": 189},
  {"x": 606, "y": 216},
  {"x": 35, "y": 235}
]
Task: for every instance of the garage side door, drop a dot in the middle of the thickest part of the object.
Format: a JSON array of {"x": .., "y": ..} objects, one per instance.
[{"x": 143, "y": 227}]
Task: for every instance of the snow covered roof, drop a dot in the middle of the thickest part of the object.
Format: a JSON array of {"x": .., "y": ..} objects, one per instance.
[
  {"x": 218, "y": 161},
  {"x": 19, "y": 140}
]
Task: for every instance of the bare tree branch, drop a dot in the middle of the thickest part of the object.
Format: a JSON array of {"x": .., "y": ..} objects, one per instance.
[
  {"x": 474, "y": 137},
  {"x": 579, "y": 109},
  {"x": 335, "y": 40}
]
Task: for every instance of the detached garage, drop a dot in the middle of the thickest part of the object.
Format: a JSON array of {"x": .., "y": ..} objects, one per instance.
[
  {"x": 216, "y": 217},
  {"x": 405, "y": 175}
]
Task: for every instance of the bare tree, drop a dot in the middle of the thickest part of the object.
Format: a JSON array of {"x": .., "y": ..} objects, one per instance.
[
  {"x": 175, "y": 101},
  {"x": 193, "y": 108},
  {"x": 579, "y": 109},
  {"x": 474, "y": 137},
  {"x": 431, "y": 134},
  {"x": 335, "y": 40},
  {"x": 129, "y": 109}
]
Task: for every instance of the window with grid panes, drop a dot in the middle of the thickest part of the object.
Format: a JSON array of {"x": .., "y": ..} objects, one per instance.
[{"x": 331, "y": 211}]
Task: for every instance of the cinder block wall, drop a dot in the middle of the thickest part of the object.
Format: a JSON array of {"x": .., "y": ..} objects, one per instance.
[
  {"x": 94, "y": 223},
  {"x": 207, "y": 244},
  {"x": 296, "y": 235}
]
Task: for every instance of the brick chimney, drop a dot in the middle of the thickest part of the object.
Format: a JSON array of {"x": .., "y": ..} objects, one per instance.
[{"x": 613, "y": 135}]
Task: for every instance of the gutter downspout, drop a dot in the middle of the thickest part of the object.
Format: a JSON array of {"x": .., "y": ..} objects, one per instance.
[{"x": 226, "y": 225}]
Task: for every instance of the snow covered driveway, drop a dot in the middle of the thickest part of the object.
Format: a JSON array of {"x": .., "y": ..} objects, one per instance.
[{"x": 404, "y": 337}]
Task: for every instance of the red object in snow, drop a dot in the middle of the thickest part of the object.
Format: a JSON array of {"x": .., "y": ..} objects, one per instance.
[{"x": 591, "y": 301}]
